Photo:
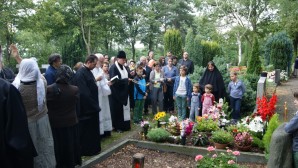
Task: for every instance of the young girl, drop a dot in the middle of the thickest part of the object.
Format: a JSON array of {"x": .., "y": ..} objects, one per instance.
[
  {"x": 182, "y": 92},
  {"x": 292, "y": 128},
  {"x": 207, "y": 99},
  {"x": 195, "y": 102}
]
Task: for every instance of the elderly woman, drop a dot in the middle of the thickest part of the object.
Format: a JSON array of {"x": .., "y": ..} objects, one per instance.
[
  {"x": 62, "y": 100},
  {"x": 213, "y": 76},
  {"x": 32, "y": 88}
]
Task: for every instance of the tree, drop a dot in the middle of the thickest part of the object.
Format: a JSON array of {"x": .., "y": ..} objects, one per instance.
[
  {"x": 173, "y": 42},
  {"x": 193, "y": 47},
  {"x": 279, "y": 51},
  {"x": 210, "y": 49},
  {"x": 254, "y": 66}
]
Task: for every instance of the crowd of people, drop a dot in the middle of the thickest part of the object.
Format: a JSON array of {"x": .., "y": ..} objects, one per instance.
[{"x": 53, "y": 119}]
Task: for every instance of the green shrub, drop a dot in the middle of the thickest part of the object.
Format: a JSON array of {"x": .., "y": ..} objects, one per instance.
[
  {"x": 173, "y": 42},
  {"x": 254, "y": 65},
  {"x": 158, "y": 135},
  {"x": 273, "y": 124},
  {"x": 222, "y": 137},
  {"x": 206, "y": 125},
  {"x": 248, "y": 102},
  {"x": 197, "y": 74},
  {"x": 257, "y": 142}
]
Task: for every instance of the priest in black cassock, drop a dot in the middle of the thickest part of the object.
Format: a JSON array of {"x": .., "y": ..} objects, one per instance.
[
  {"x": 119, "y": 100},
  {"x": 16, "y": 146},
  {"x": 89, "y": 108}
]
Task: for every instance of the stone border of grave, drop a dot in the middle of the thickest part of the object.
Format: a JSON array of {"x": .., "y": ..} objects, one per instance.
[{"x": 245, "y": 157}]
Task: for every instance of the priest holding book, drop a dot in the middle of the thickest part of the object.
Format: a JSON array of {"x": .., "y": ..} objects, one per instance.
[{"x": 119, "y": 99}]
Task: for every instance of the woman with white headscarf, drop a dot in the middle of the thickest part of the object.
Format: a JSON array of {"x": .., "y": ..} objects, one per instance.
[{"x": 32, "y": 87}]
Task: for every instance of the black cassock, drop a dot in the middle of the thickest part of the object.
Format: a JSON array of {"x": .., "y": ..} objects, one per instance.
[
  {"x": 89, "y": 112},
  {"x": 118, "y": 99},
  {"x": 17, "y": 149}
]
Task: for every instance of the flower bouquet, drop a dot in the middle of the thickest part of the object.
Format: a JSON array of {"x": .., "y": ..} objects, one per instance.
[
  {"x": 214, "y": 159},
  {"x": 243, "y": 141},
  {"x": 186, "y": 127},
  {"x": 145, "y": 125},
  {"x": 160, "y": 117},
  {"x": 173, "y": 126}
]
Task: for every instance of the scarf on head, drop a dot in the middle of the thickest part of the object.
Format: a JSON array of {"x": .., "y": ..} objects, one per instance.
[{"x": 29, "y": 72}]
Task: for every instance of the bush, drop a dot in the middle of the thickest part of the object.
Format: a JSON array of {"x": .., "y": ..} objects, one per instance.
[
  {"x": 158, "y": 135},
  {"x": 273, "y": 124},
  {"x": 193, "y": 47},
  {"x": 198, "y": 72},
  {"x": 206, "y": 125},
  {"x": 210, "y": 49},
  {"x": 173, "y": 42},
  {"x": 222, "y": 137},
  {"x": 254, "y": 65},
  {"x": 248, "y": 102},
  {"x": 252, "y": 80},
  {"x": 257, "y": 142}
]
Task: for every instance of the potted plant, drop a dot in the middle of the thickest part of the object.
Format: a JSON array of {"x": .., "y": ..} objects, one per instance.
[
  {"x": 158, "y": 135},
  {"x": 243, "y": 141},
  {"x": 206, "y": 125},
  {"x": 221, "y": 138}
]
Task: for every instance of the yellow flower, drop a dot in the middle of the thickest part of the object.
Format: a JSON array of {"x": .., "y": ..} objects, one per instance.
[
  {"x": 163, "y": 114},
  {"x": 156, "y": 117}
]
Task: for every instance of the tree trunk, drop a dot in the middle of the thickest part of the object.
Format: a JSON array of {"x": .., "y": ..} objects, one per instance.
[
  {"x": 239, "y": 48},
  {"x": 133, "y": 49}
]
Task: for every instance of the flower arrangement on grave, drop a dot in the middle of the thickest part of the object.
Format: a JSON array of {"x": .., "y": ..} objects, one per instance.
[
  {"x": 145, "y": 125},
  {"x": 186, "y": 127},
  {"x": 214, "y": 159},
  {"x": 173, "y": 126},
  {"x": 265, "y": 108},
  {"x": 205, "y": 124},
  {"x": 222, "y": 137},
  {"x": 243, "y": 139},
  {"x": 216, "y": 112},
  {"x": 160, "y": 117}
]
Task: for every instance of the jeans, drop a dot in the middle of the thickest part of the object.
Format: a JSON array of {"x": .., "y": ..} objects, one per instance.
[
  {"x": 295, "y": 159},
  {"x": 235, "y": 105},
  {"x": 156, "y": 94},
  {"x": 138, "y": 110},
  {"x": 181, "y": 106}
]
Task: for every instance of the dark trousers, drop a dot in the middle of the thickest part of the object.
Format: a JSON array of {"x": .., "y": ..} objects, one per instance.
[
  {"x": 235, "y": 105},
  {"x": 168, "y": 99},
  {"x": 147, "y": 102}
]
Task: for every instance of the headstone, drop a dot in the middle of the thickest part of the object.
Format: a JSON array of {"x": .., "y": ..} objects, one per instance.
[
  {"x": 261, "y": 87},
  {"x": 277, "y": 76},
  {"x": 138, "y": 160},
  {"x": 280, "y": 155}
]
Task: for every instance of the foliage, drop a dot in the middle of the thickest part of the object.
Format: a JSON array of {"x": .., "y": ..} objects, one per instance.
[
  {"x": 213, "y": 159},
  {"x": 200, "y": 139},
  {"x": 249, "y": 98},
  {"x": 198, "y": 72},
  {"x": 265, "y": 108},
  {"x": 257, "y": 142},
  {"x": 158, "y": 135},
  {"x": 193, "y": 47},
  {"x": 222, "y": 137},
  {"x": 173, "y": 42},
  {"x": 254, "y": 66},
  {"x": 210, "y": 49},
  {"x": 237, "y": 128},
  {"x": 243, "y": 139},
  {"x": 273, "y": 124},
  {"x": 206, "y": 125},
  {"x": 252, "y": 80},
  {"x": 279, "y": 51}
]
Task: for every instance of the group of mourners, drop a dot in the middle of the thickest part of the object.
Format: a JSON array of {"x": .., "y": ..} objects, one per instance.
[{"x": 52, "y": 120}]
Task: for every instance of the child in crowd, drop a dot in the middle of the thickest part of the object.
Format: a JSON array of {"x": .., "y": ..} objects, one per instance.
[
  {"x": 195, "y": 102},
  {"x": 105, "y": 69},
  {"x": 139, "y": 94},
  {"x": 292, "y": 128},
  {"x": 157, "y": 80},
  {"x": 236, "y": 88},
  {"x": 182, "y": 92},
  {"x": 207, "y": 99}
]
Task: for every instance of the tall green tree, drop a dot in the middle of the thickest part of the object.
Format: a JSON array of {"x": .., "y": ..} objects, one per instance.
[
  {"x": 210, "y": 49},
  {"x": 254, "y": 66},
  {"x": 279, "y": 51},
  {"x": 193, "y": 47},
  {"x": 173, "y": 42}
]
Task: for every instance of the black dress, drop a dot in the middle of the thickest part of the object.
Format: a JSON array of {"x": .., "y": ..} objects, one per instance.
[{"x": 17, "y": 149}]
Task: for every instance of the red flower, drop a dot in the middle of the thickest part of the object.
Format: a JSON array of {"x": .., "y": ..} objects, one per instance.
[{"x": 266, "y": 109}]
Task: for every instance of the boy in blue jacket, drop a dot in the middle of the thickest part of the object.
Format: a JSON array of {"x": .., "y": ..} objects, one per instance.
[
  {"x": 292, "y": 128},
  {"x": 139, "y": 94}
]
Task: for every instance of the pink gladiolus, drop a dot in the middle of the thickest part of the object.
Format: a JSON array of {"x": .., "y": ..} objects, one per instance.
[
  {"x": 236, "y": 153},
  {"x": 229, "y": 151},
  {"x": 199, "y": 157},
  {"x": 210, "y": 148},
  {"x": 231, "y": 162},
  {"x": 214, "y": 156}
]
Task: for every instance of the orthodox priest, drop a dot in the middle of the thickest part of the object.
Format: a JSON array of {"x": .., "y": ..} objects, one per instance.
[
  {"x": 17, "y": 149},
  {"x": 89, "y": 107},
  {"x": 119, "y": 100}
]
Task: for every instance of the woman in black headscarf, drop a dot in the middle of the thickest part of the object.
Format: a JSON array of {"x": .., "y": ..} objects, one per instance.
[
  {"x": 62, "y": 100},
  {"x": 213, "y": 76}
]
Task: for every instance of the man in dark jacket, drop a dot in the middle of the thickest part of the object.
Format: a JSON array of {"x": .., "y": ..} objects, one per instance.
[
  {"x": 89, "y": 107},
  {"x": 186, "y": 62}
]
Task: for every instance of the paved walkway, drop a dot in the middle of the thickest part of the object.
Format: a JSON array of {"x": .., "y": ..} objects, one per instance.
[{"x": 285, "y": 94}]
